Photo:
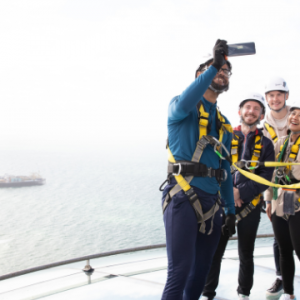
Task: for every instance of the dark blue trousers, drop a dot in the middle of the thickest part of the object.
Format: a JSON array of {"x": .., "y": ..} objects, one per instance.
[{"x": 190, "y": 252}]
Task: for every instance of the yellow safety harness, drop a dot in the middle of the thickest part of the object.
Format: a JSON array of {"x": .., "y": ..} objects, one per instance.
[
  {"x": 293, "y": 152},
  {"x": 255, "y": 155},
  {"x": 203, "y": 123},
  {"x": 253, "y": 164},
  {"x": 271, "y": 131},
  {"x": 287, "y": 165},
  {"x": 183, "y": 183},
  {"x": 264, "y": 181},
  {"x": 284, "y": 174}
]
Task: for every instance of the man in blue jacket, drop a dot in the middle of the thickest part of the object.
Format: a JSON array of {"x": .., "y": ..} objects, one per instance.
[
  {"x": 199, "y": 139},
  {"x": 248, "y": 144}
]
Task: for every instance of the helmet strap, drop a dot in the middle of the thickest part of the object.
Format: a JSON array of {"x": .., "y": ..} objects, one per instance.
[{"x": 279, "y": 110}]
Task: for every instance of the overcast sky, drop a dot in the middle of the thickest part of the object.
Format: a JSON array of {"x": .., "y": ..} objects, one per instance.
[{"x": 92, "y": 72}]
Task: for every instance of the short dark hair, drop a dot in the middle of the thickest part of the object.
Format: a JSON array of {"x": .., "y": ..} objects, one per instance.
[{"x": 207, "y": 63}]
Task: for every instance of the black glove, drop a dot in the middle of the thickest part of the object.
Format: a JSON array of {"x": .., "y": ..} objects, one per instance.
[
  {"x": 220, "y": 49},
  {"x": 228, "y": 229}
]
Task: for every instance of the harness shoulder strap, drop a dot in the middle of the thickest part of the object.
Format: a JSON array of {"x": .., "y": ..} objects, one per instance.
[
  {"x": 203, "y": 121},
  {"x": 293, "y": 152},
  {"x": 271, "y": 131},
  {"x": 235, "y": 148},
  {"x": 256, "y": 151}
]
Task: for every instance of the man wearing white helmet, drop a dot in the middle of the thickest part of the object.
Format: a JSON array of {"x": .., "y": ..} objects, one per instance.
[
  {"x": 275, "y": 126},
  {"x": 248, "y": 144},
  {"x": 285, "y": 207}
]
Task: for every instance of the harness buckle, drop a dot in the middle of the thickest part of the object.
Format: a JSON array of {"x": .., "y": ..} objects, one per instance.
[
  {"x": 209, "y": 172},
  {"x": 248, "y": 162},
  {"x": 203, "y": 142},
  {"x": 179, "y": 169},
  {"x": 225, "y": 175},
  {"x": 279, "y": 173}
]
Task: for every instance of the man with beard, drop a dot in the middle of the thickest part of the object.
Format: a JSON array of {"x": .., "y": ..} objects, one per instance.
[
  {"x": 248, "y": 144},
  {"x": 199, "y": 139},
  {"x": 275, "y": 127}
]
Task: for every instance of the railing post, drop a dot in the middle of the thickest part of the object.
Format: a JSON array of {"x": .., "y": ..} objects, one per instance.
[{"x": 88, "y": 270}]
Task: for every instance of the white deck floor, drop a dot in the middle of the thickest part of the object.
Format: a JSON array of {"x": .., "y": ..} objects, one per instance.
[{"x": 132, "y": 276}]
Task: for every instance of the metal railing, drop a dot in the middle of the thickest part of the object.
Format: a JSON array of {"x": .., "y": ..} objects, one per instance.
[{"x": 88, "y": 268}]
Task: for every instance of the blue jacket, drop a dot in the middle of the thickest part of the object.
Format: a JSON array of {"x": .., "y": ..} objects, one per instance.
[
  {"x": 250, "y": 189},
  {"x": 183, "y": 134}
]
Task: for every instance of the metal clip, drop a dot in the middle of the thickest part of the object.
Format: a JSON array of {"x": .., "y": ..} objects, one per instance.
[
  {"x": 179, "y": 169},
  {"x": 217, "y": 143},
  {"x": 248, "y": 162},
  {"x": 279, "y": 173},
  {"x": 225, "y": 175}
]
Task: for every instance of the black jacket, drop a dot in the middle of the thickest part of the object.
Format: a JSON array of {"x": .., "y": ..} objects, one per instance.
[{"x": 250, "y": 189}]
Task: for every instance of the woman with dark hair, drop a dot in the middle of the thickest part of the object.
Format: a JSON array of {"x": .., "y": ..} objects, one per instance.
[{"x": 285, "y": 206}]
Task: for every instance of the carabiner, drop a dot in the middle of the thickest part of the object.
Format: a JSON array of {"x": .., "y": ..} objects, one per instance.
[
  {"x": 223, "y": 147},
  {"x": 279, "y": 173},
  {"x": 161, "y": 189},
  {"x": 248, "y": 162}
]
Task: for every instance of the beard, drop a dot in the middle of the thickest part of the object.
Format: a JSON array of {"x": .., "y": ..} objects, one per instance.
[
  {"x": 256, "y": 122},
  {"x": 220, "y": 87}
]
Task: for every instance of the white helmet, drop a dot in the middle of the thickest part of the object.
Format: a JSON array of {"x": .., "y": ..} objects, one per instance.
[
  {"x": 254, "y": 97},
  {"x": 276, "y": 84},
  {"x": 295, "y": 104}
]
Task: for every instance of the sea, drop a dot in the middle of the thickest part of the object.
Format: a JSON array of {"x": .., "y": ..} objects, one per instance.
[{"x": 94, "y": 201}]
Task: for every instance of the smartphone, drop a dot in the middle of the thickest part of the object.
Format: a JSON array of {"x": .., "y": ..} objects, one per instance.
[{"x": 241, "y": 49}]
